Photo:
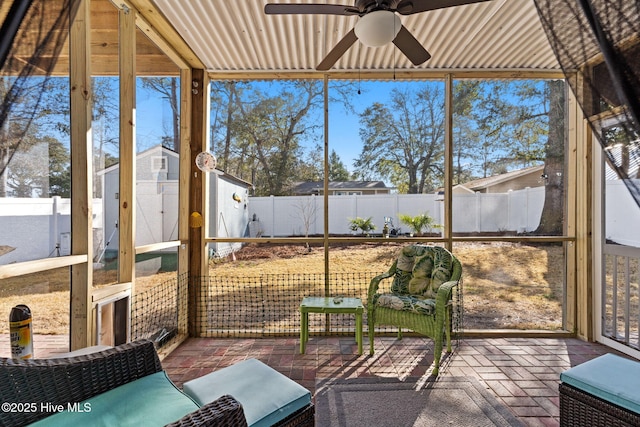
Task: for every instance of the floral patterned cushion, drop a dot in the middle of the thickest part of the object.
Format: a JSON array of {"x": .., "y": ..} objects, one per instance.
[
  {"x": 421, "y": 270},
  {"x": 406, "y": 303}
]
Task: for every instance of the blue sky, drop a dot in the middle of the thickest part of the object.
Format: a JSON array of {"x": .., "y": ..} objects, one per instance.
[
  {"x": 154, "y": 118},
  {"x": 344, "y": 126}
]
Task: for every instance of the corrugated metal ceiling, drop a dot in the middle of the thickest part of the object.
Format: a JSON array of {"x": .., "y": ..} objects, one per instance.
[{"x": 237, "y": 36}]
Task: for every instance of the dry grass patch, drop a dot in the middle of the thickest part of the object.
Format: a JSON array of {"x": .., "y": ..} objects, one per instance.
[
  {"x": 506, "y": 285},
  {"x": 47, "y": 296}
]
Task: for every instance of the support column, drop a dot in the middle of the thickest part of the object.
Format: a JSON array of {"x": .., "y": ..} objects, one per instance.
[
  {"x": 448, "y": 155},
  {"x": 127, "y": 193},
  {"x": 80, "y": 328},
  {"x": 198, "y": 268}
]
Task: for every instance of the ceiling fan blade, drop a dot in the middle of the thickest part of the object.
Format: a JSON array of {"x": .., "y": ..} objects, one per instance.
[
  {"x": 408, "y": 7},
  {"x": 411, "y": 47},
  {"x": 337, "y": 51},
  {"x": 309, "y": 9}
]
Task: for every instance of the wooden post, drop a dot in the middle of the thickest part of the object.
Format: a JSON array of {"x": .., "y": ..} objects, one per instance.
[
  {"x": 327, "y": 289},
  {"x": 127, "y": 194},
  {"x": 80, "y": 334},
  {"x": 197, "y": 210},
  {"x": 325, "y": 195},
  {"x": 575, "y": 135},
  {"x": 448, "y": 167},
  {"x": 580, "y": 298},
  {"x": 185, "y": 171}
]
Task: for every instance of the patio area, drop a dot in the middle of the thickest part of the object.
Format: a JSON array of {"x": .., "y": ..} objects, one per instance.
[{"x": 522, "y": 373}]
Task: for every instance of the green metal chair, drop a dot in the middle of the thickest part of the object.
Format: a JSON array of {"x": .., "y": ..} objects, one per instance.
[{"x": 420, "y": 295}]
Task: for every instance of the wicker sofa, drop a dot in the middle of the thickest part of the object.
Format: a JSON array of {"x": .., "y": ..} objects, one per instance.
[{"x": 77, "y": 390}]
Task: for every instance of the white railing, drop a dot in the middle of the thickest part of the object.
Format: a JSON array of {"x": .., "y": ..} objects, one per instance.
[{"x": 619, "y": 297}]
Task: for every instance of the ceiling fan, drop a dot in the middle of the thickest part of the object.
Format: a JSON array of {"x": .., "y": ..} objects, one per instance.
[{"x": 378, "y": 24}]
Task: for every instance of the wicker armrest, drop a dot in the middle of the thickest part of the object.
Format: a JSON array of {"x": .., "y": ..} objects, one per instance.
[
  {"x": 375, "y": 282},
  {"x": 224, "y": 411},
  {"x": 445, "y": 291},
  {"x": 72, "y": 379}
]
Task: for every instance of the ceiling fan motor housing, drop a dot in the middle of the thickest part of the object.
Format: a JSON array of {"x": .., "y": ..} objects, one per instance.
[
  {"x": 366, "y": 6},
  {"x": 378, "y": 28}
]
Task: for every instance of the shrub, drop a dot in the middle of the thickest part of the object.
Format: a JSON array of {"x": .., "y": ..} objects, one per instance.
[
  {"x": 364, "y": 224},
  {"x": 419, "y": 223}
]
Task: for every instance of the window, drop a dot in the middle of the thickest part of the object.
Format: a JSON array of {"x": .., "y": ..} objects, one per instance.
[{"x": 159, "y": 164}]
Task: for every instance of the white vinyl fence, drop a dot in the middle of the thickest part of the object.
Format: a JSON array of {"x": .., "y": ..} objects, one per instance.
[
  {"x": 518, "y": 211},
  {"x": 36, "y": 228},
  {"x": 622, "y": 215}
]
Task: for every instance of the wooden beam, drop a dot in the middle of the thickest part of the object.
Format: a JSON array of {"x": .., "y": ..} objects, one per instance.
[
  {"x": 80, "y": 333},
  {"x": 154, "y": 247},
  {"x": 127, "y": 194},
  {"x": 157, "y": 40},
  {"x": 35, "y": 266},
  {"x": 519, "y": 74},
  {"x": 157, "y": 21},
  {"x": 404, "y": 240},
  {"x": 152, "y": 37}
]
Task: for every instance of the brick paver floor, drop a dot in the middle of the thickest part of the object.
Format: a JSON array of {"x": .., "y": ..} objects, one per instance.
[{"x": 523, "y": 373}]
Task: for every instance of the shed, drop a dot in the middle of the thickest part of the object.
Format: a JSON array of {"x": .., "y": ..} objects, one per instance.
[{"x": 157, "y": 203}]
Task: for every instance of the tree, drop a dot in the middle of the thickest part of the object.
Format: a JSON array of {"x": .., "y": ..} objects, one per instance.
[
  {"x": 167, "y": 87},
  {"x": 29, "y": 172},
  {"x": 465, "y": 134},
  {"x": 337, "y": 169},
  {"x": 225, "y": 98},
  {"x": 105, "y": 127},
  {"x": 268, "y": 129},
  {"x": 59, "y": 169},
  {"x": 552, "y": 219},
  {"x": 493, "y": 116},
  {"x": 306, "y": 210},
  {"x": 404, "y": 141},
  {"x": 19, "y": 112},
  {"x": 311, "y": 167}
]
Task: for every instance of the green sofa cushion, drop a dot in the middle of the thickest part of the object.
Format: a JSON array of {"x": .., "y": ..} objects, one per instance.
[
  {"x": 266, "y": 395},
  {"x": 149, "y": 401},
  {"x": 609, "y": 377}
]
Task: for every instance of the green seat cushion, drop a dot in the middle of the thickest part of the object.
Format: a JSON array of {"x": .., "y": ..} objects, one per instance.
[
  {"x": 609, "y": 377},
  {"x": 266, "y": 395},
  {"x": 149, "y": 401},
  {"x": 406, "y": 303}
]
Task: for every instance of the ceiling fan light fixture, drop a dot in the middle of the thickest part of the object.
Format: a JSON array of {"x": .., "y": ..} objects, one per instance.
[{"x": 378, "y": 28}]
